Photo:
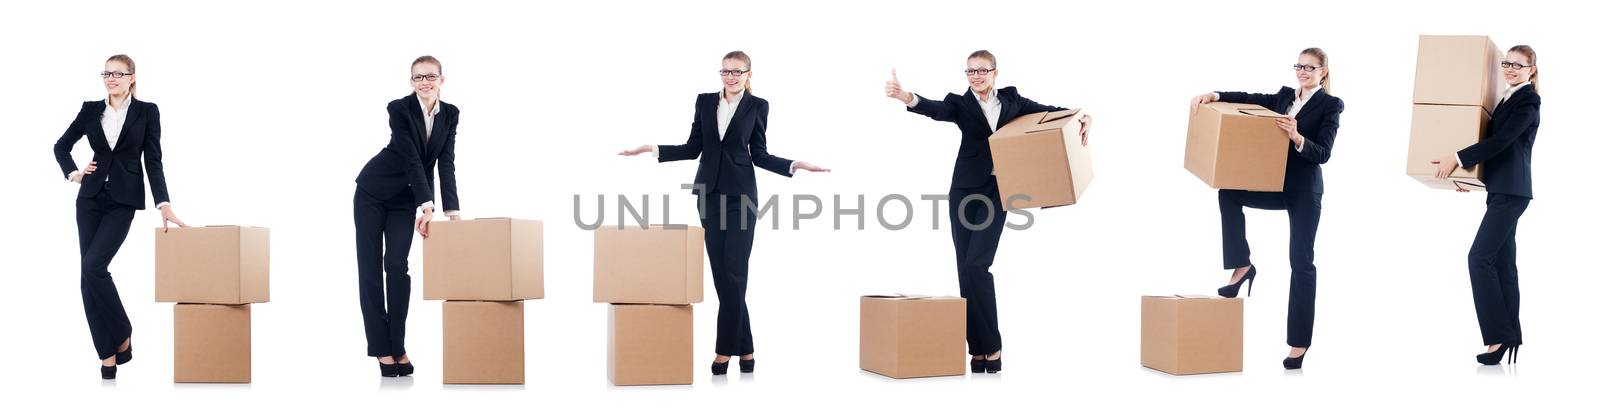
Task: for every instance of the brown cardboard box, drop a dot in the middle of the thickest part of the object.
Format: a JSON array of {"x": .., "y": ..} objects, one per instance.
[
  {"x": 1041, "y": 156},
  {"x": 913, "y": 336},
  {"x": 1438, "y": 130},
  {"x": 1237, "y": 147},
  {"x": 650, "y": 345},
  {"x": 225, "y": 265},
  {"x": 483, "y": 342},
  {"x": 210, "y": 343},
  {"x": 1192, "y": 334},
  {"x": 490, "y": 259},
  {"x": 1457, "y": 70},
  {"x": 656, "y": 265}
]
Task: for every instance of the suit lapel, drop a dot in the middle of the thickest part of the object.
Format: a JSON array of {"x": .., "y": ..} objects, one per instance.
[
  {"x": 418, "y": 128},
  {"x": 435, "y": 142},
  {"x": 1311, "y": 104},
  {"x": 135, "y": 111},
  {"x": 1008, "y": 109},
  {"x": 1514, "y": 96},
  {"x": 975, "y": 108}
]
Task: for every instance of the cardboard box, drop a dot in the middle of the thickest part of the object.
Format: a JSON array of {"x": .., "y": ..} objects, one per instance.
[
  {"x": 210, "y": 343},
  {"x": 650, "y": 345},
  {"x": 483, "y": 342},
  {"x": 224, "y": 265},
  {"x": 913, "y": 336},
  {"x": 1192, "y": 334},
  {"x": 657, "y": 265},
  {"x": 1438, "y": 130},
  {"x": 1458, "y": 70},
  {"x": 1041, "y": 156},
  {"x": 1237, "y": 147},
  {"x": 491, "y": 259}
]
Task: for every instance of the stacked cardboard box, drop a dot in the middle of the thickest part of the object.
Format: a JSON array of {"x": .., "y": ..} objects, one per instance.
[
  {"x": 651, "y": 277},
  {"x": 1457, "y": 84},
  {"x": 1191, "y": 334},
  {"x": 483, "y": 269},
  {"x": 913, "y": 336},
  {"x": 213, "y": 274},
  {"x": 1236, "y": 147},
  {"x": 1040, "y": 160}
]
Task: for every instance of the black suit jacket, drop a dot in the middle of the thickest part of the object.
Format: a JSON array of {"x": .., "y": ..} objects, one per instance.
[
  {"x": 1319, "y": 124},
  {"x": 725, "y": 162},
  {"x": 974, "y": 163},
  {"x": 406, "y": 164},
  {"x": 1506, "y": 155},
  {"x": 140, "y": 136}
]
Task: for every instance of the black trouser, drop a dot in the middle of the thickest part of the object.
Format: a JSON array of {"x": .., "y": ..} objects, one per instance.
[
  {"x": 102, "y": 226},
  {"x": 1492, "y": 263},
  {"x": 730, "y": 233},
  {"x": 976, "y": 242},
  {"x": 1305, "y": 212},
  {"x": 383, "y": 242}
]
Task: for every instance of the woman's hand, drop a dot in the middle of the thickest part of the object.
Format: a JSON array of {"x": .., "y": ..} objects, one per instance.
[
  {"x": 422, "y": 222},
  {"x": 1084, "y": 123},
  {"x": 892, "y": 89},
  {"x": 802, "y": 165},
  {"x": 86, "y": 171},
  {"x": 1292, "y": 126},
  {"x": 167, "y": 216},
  {"x": 1194, "y": 104},
  {"x": 1446, "y": 165},
  {"x": 635, "y": 151}
]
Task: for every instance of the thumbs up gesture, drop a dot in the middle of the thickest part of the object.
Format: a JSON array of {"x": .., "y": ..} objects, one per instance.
[{"x": 892, "y": 88}]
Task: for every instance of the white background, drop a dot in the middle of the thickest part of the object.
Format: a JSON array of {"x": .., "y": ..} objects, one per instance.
[{"x": 270, "y": 109}]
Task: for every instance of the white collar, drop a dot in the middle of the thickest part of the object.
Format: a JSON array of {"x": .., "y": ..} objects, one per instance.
[
  {"x": 1308, "y": 95},
  {"x": 437, "y": 105},
  {"x": 994, "y": 96},
  {"x": 1513, "y": 89},
  {"x": 125, "y": 101},
  {"x": 723, "y": 96}
]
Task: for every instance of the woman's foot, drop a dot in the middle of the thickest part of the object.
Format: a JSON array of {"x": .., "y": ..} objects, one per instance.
[
  {"x": 1297, "y": 356},
  {"x": 108, "y": 368},
  {"x": 387, "y": 367},
  {"x": 125, "y": 352},
  {"x": 404, "y": 366},
  {"x": 1496, "y": 352},
  {"x": 991, "y": 363},
  {"x": 719, "y": 366},
  {"x": 979, "y": 363},
  {"x": 1240, "y": 277},
  {"x": 747, "y": 364}
]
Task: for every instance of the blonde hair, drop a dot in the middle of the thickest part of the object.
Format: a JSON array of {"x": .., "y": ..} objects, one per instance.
[
  {"x": 133, "y": 87},
  {"x": 984, "y": 54},
  {"x": 1533, "y": 61},
  {"x": 739, "y": 55},
  {"x": 1322, "y": 58},
  {"x": 428, "y": 59}
]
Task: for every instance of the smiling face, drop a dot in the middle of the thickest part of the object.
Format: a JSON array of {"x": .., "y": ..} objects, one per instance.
[
  {"x": 1309, "y": 71},
  {"x": 117, "y": 86},
  {"x": 1516, "y": 76},
  {"x": 981, "y": 74},
  {"x": 735, "y": 76},
  {"x": 426, "y": 80}
]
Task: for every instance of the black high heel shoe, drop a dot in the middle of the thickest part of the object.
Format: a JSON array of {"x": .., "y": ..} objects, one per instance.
[
  {"x": 1232, "y": 290},
  {"x": 126, "y": 355},
  {"x": 109, "y": 373},
  {"x": 979, "y": 366},
  {"x": 388, "y": 370},
  {"x": 404, "y": 369},
  {"x": 1493, "y": 358},
  {"x": 719, "y": 368},
  {"x": 991, "y": 365},
  {"x": 747, "y": 366},
  {"x": 1294, "y": 363}
]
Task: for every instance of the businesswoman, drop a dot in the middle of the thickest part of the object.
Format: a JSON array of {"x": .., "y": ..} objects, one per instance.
[
  {"x": 1506, "y": 158},
  {"x": 729, "y": 136},
  {"x": 391, "y": 189},
  {"x": 1312, "y": 124},
  {"x": 122, "y": 130},
  {"x": 975, "y": 225}
]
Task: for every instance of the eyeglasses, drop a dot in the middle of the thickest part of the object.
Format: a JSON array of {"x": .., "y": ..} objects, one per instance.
[
  {"x": 980, "y": 72},
  {"x": 730, "y": 72},
  {"x": 1513, "y": 65},
  {"x": 428, "y": 77},
  {"x": 114, "y": 75},
  {"x": 1306, "y": 68}
]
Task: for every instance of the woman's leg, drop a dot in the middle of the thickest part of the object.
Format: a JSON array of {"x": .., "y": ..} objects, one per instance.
[
  {"x": 102, "y": 227},
  {"x": 1305, "y": 213},
  {"x": 399, "y": 228},
  {"x": 981, "y": 222},
  {"x": 1488, "y": 284},
  {"x": 369, "y": 221}
]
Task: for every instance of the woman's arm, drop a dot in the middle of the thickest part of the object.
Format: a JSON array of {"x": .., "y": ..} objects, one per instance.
[
  {"x": 400, "y": 142},
  {"x": 1319, "y": 148},
  {"x": 447, "y": 170},
  {"x": 690, "y": 148},
  {"x": 1517, "y": 122},
  {"x": 153, "y": 168},
  {"x": 758, "y": 148},
  {"x": 63, "y": 147}
]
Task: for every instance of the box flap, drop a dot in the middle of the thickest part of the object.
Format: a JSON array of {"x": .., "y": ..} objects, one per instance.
[
  {"x": 1261, "y": 112},
  {"x": 903, "y": 296},
  {"x": 1053, "y": 120}
]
